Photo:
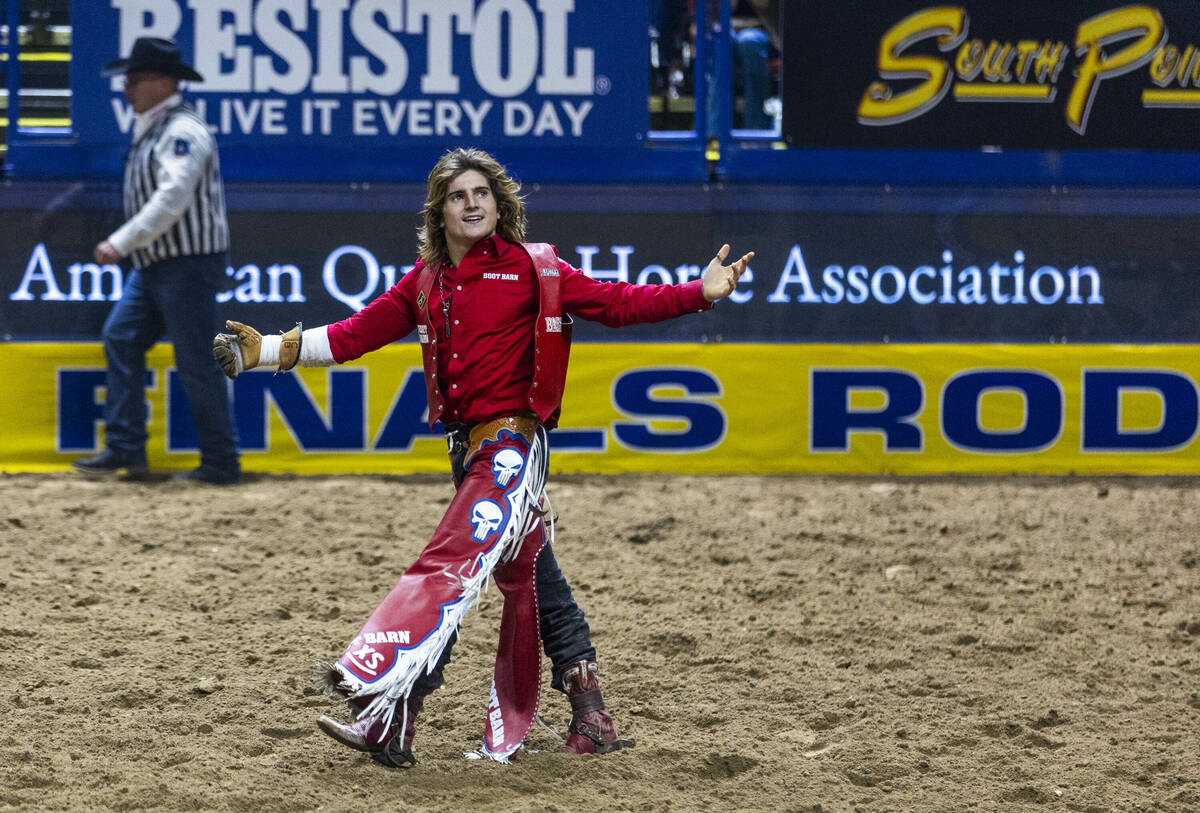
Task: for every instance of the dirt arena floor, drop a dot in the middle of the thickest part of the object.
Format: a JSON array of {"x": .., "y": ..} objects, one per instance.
[{"x": 786, "y": 644}]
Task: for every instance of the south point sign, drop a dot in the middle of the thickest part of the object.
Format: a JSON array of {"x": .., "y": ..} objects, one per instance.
[
  {"x": 1019, "y": 74},
  {"x": 1026, "y": 70}
]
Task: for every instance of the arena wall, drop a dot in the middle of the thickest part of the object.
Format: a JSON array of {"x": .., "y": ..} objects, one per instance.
[{"x": 728, "y": 408}]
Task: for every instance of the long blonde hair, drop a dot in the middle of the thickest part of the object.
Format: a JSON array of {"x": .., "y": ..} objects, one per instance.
[{"x": 431, "y": 237}]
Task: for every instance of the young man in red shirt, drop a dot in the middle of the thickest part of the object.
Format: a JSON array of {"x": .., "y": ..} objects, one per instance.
[{"x": 493, "y": 317}]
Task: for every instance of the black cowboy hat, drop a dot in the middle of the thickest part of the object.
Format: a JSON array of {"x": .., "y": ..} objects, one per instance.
[{"x": 153, "y": 55}]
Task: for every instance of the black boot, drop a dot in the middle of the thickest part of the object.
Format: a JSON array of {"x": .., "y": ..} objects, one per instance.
[{"x": 110, "y": 461}]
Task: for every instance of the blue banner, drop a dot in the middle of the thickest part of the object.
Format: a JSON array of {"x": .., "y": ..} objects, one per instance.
[
  {"x": 855, "y": 267},
  {"x": 372, "y": 89}
]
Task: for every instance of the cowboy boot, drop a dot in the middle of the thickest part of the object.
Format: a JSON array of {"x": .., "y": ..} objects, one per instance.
[
  {"x": 592, "y": 728},
  {"x": 387, "y": 745}
]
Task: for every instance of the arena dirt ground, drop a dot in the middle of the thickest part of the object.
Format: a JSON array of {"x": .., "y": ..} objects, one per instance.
[{"x": 772, "y": 644}]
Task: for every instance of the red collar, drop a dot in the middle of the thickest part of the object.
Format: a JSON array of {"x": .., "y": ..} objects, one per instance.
[{"x": 494, "y": 243}]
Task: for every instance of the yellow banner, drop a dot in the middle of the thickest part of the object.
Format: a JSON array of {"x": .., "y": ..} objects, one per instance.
[{"x": 711, "y": 408}]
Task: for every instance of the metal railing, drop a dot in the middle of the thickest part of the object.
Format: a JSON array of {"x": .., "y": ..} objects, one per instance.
[
  {"x": 712, "y": 103},
  {"x": 36, "y": 97}
]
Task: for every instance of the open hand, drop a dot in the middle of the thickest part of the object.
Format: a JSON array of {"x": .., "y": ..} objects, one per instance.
[{"x": 720, "y": 280}]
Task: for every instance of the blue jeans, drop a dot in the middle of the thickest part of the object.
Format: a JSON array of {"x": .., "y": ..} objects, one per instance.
[
  {"x": 669, "y": 19},
  {"x": 175, "y": 298},
  {"x": 566, "y": 637},
  {"x": 751, "y": 79}
]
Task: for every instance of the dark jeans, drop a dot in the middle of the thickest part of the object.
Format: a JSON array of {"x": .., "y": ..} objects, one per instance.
[
  {"x": 566, "y": 637},
  {"x": 751, "y": 79},
  {"x": 669, "y": 20},
  {"x": 175, "y": 298}
]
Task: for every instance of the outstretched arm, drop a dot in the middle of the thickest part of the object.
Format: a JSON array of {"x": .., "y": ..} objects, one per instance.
[
  {"x": 388, "y": 318},
  {"x": 245, "y": 348},
  {"x": 720, "y": 280},
  {"x": 618, "y": 304}
]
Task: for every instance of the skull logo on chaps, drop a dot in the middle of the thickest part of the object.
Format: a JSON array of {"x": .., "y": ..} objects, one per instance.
[
  {"x": 506, "y": 465},
  {"x": 486, "y": 517}
]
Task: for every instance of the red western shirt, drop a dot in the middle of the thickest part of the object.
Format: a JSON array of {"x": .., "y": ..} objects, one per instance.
[{"x": 486, "y": 361}]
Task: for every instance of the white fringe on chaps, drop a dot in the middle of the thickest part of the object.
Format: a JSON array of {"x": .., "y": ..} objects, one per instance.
[{"x": 466, "y": 578}]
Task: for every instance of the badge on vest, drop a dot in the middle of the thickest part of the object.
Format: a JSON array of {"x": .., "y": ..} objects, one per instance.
[
  {"x": 549, "y": 272},
  {"x": 423, "y": 334},
  {"x": 554, "y": 324},
  {"x": 420, "y": 300},
  {"x": 182, "y": 147}
]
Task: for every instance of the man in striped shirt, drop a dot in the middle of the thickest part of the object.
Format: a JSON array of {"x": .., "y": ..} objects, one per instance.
[{"x": 177, "y": 237}]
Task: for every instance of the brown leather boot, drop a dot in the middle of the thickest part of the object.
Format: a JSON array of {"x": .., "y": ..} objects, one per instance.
[
  {"x": 592, "y": 728},
  {"x": 383, "y": 743}
]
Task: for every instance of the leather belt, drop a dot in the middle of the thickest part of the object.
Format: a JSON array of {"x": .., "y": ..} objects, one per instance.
[{"x": 524, "y": 424}]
